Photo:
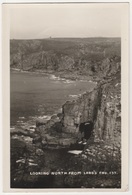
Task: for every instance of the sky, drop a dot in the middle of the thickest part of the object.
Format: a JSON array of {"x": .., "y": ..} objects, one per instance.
[{"x": 36, "y": 21}]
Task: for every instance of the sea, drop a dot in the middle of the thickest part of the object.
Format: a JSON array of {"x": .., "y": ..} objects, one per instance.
[{"x": 37, "y": 95}]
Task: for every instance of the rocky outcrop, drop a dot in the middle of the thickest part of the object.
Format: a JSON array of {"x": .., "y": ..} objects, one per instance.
[
  {"x": 84, "y": 107},
  {"x": 52, "y": 133},
  {"x": 108, "y": 124},
  {"x": 97, "y": 111},
  {"x": 102, "y": 107},
  {"x": 63, "y": 129},
  {"x": 102, "y": 154}
]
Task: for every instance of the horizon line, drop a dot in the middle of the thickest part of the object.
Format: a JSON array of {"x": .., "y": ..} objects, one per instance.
[{"x": 50, "y": 37}]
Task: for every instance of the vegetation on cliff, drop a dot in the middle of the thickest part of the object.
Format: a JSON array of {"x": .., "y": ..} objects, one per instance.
[{"x": 88, "y": 56}]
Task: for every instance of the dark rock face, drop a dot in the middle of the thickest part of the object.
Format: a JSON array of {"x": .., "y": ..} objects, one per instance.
[
  {"x": 108, "y": 124},
  {"x": 86, "y": 106},
  {"x": 102, "y": 107},
  {"x": 87, "y": 129}
]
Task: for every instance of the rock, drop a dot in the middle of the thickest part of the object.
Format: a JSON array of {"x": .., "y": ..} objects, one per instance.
[
  {"x": 28, "y": 139},
  {"x": 84, "y": 156},
  {"x": 55, "y": 118},
  {"x": 40, "y": 122},
  {"x": 67, "y": 141},
  {"x": 32, "y": 128},
  {"x": 84, "y": 105},
  {"x": 60, "y": 116},
  {"x": 22, "y": 132},
  {"x": 44, "y": 143},
  {"x": 75, "y": 151},
  {"x": 30, "y": 160},
  {"x": 39, "y": 152},
  {"x": 32, "y": 164},
  {"x": 84, "y": 143},
  {"x": 20, "y": 161},
  {"x": 37, "y": 139}
]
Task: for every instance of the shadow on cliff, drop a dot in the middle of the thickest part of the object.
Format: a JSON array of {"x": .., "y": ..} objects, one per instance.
[{"x": 86, "y": 129}]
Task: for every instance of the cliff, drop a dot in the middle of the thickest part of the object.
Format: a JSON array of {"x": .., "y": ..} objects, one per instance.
[
  {"x": 102, "y": 150},
  {"x": 84, "y": 107},
  {"x": 101, "y": 107},
  {"x": 78, "y": 56},
  {"x": 94, "y": 115}
]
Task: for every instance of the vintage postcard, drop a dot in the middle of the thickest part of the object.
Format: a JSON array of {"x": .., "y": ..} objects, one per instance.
[{"x": 65, "y": 89}]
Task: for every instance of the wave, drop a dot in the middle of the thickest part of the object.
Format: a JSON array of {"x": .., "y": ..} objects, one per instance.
[
  {"x": 16, "y": 69},
  {"x": 53, "y": 77},
  {"x": 75, "y": 96},
  {"x": 21, "y": 117},
  {"x": 47, "y": 117},
  {"x": 12, "y": 128},
  {"x": 68, "y": 81}
]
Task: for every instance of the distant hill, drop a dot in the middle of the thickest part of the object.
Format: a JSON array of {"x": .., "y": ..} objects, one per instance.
[{"x": 81, "y": 55}]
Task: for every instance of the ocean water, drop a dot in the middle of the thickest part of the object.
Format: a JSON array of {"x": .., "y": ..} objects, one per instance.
[{"x": 35, "y": 95}]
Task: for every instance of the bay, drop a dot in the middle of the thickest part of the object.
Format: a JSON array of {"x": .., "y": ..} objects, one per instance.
[{"x": 35, "y": 95}]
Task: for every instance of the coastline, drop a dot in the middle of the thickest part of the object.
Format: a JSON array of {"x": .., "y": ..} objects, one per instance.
[
  {"x": 60, "y": 75},
  {"x": 44, "y": 140},
  {"x": 54, "y": 76}
]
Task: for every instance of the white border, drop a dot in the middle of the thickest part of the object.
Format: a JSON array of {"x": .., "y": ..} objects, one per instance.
[{"x": 7, "y": 94}]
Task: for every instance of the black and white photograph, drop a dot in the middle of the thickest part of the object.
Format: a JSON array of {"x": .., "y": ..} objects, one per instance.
[{"x": 65, "y": 86}]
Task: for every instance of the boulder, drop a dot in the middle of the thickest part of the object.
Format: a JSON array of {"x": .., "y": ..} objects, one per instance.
[
  {"x": 40, "y": 122},
  {"x": 39, "y": 152}
]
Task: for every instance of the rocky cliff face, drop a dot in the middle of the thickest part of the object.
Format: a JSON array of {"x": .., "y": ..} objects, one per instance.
[
  {"x": 83, "y": 56},
  {"x": 95, "y": 114},
  {"x": 102, "y": 107},
  {"x": 84, "y": 109},
  {"x": 108, "y": 124},
  {"x": 102, "y": 151}
]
